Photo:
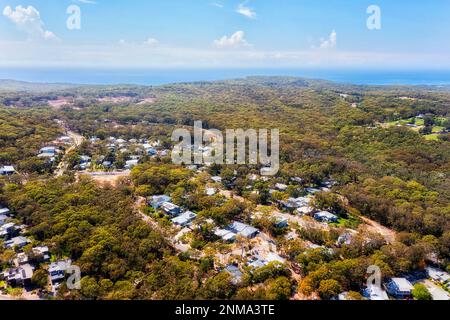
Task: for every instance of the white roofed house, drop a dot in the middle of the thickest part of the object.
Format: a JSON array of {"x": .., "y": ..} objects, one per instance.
[
  {"x": 40, "y": 254},
  {"x": 374, "y": 292},
  {"x": 243, "y": 229},
  {"x": 438, "y": 275},
  {"x": 399, "y": 288},
  {"x": 65, "y": 139},
  {"x": 325, "y": 216},
  {"x": 281, "y": 222},
  {"x": 19, "y": 276},
  {"x": 292, "y": 204},
  {"x": 281, "y": 187},
  {"x": 235, "y": 273},
  {"x": 48, "y": 151},
  {"x": 3, "y": 219},
  {"x": 19, "y": 242},
  {"x": 8, "y": 230},
  {"x": 225, "y": 235},
  {"x": 57, "y": 270},
  {"x": 4, "y": 211},
  {"x": 170, "y": 209},
  {"x": 210, "y": 191},
  {"x": 131, "y": 164},
  {"x": 7, "y": 170},
  {"x": 184, "y": 219},
  {"x": 216, "y": 179},
  {"x": 344, "y": 239},
  {"x": 157, "y": 201}
]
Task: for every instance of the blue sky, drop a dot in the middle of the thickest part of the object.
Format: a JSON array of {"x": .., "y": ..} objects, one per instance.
[{"x": 226, "y": 33}]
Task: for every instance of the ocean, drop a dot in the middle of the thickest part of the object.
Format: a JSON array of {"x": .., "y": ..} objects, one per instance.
[{"x": 159, "y": 76}]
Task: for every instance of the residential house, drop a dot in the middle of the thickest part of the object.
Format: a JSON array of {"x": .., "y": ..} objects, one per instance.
[
  {"x": 225, "y": 235},
  {"x": 281, "y": 223},
  {"x": 8, "y": 230},
  {"x": 236, "y": 274},
  {"x": 399, "y": 288},
  {"x": 304, "y": 210},
  {"x": 40, "y": 254},
  {"x": 297, "y": 180},
  {"x": 171, "y": 209},
  {"x": 4, "y": 211},
  {"x": 281, "y": 187},
  {"x": 21, "y": 259},
  {"x": 19, "y": 276},
  {"x": 256, "y": 263},
  {"x": 111, "y": 147},
  {"x": 107, "y": 164},
  {"x": 344, "y": 239},
  {"x": 19, "y": 242},
  {"x": 312, "y": 190},
  {"x": 157, "y": 201},
  {"x": 438, "y": 275},
  {"x": 65, "y": 139},
  {"x": 325, "y": 216},
  {"x": 85, "y": 162},
  {"x": 210, "y": 191},
  {"x": 47, "y": 152},
  {"x": 243, "y": 230},
  {"x": 3, "y": 219},
  {"x": 131, "y": 164},
  {"x": 374, "y": 292},
  {"x": 184, "y": 219},
  {"x": 343, "y": 296},
  {"x": 294, "y": 203},
  {"x": 7, "y": 170},
  {"x": 216, "y": 179},
  {"x": 259, "y": 262},
  {"x": 272, "y": 257},
  {"x": 57, "y": 270}
]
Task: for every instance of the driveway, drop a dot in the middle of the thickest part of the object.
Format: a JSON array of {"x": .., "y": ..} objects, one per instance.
[{"x": 437, "y": 292}]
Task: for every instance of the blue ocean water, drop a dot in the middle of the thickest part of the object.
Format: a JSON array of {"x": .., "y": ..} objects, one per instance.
[{"x": 159, "y": 76}]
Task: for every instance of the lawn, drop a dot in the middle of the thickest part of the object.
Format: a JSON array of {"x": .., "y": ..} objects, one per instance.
[
  {"x": 432, "y": 137},
  {"x": 350, "y": 222}
]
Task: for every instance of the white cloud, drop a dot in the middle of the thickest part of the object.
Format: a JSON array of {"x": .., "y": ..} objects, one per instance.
[
  {"x": 139, "y": 55},
  {"x": 151, "y": 42},
  {"x": 329, "y": 43},
  {"x": 236, "y": 40},
  {"x": 29, "y": 21},
  {"x": 217, "y": 4},
  {"x": 86, "y": 1},
  {"x": 246, "y": 11}
]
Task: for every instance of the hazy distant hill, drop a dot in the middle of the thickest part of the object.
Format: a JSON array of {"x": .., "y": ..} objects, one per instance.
[
  {"x": 263, "y": 81},
  {"x": 13, "y": 85}
]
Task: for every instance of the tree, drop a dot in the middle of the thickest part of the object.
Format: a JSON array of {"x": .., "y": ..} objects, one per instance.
[
  {"x": 329, "y": 288},
  {"x": 218, "y": 287},
  {"x": 279, "y": 289},
  {"x": 89, "y": 288},
  {"x": 40, "y": 278},
  {"x": 420, "y": 292}
]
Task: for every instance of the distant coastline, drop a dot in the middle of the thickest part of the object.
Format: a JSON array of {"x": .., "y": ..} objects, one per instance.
[{"x": 168, "y": 76}]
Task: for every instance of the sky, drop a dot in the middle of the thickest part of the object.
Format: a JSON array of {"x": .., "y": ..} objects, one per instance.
[{"x": 410, "y": 34}]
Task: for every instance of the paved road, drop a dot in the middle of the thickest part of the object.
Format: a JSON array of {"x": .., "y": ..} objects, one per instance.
[
  {"x": 177, "y": 245},
  {"x": 437, "y": 292},
  {"x": 77, "y": 140}
]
